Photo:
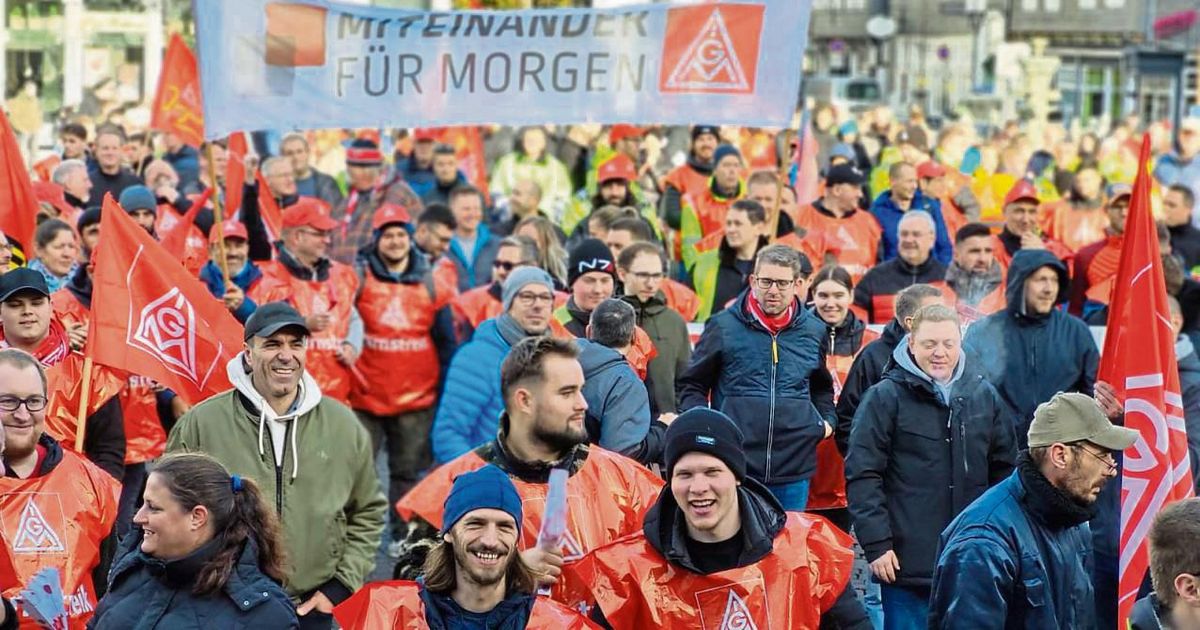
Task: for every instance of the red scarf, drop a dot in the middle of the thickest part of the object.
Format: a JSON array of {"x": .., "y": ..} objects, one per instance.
[
  {"x": 53, "y": 349},
  {"x": 772, "y": 324}
]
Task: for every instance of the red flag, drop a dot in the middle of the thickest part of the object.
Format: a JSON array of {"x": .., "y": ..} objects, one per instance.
[
  {"x": 178, "y": 107},
  {"x": 805, "y": 171},
  {"x": 175, "y": 241},
  {"x": 235, "y": 173},
  {"x": 1139, "y": 362},
  {"x": 18, "y": 204},
  {"x": 151, "y": 317},
  {"x": 272, "y": 216}
]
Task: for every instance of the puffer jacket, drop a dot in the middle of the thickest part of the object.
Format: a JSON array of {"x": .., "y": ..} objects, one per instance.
[
  {"x": 469, "y": 412},
  {"x": 1029, "y": 358},
  {"x": 918, "y": 457},
  {"x": 618, "y": 414},
  {"x": 775, "y": 387},
  {"x": 146, "y": 593}
]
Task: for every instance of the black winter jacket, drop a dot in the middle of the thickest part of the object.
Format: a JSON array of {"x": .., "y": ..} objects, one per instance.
[
  {"x": 915, "y": 461},
  {"x": 866, "y": 371},
  {"x": 776, "y": 388},
  {"x": 1029, "y": 358}
]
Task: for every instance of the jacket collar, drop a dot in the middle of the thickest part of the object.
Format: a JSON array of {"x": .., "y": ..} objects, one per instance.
[
  {"x": 319, "y": 271},
  {"x": 442, "y": 612},
  {"x": 531, "y": 472},
  {"x": 761, "y": 514},
  {"x": 1046, "y": 503}
]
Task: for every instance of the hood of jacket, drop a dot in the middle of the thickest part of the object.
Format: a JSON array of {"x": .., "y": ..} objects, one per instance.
[
  {"x": 1023, "y": 265},
  {"x": 762, "y": 518},
  {"x": 904, "y": 360},
  {"x": 595, "y": 358},
  {"x": 307, "y": 400},
  {"x": 655, "y": 305}
]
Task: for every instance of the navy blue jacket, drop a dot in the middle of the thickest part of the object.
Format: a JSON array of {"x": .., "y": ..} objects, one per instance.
[
  {"x": 889, "y": 214},
  {"x": 146, "y": 593},
  {"x": 1029, "y": 358},
  {"x": 915, "y": 461},
  {"x": 779, "y": 399},
  {"x": 186, "y": 162},
  {"x": 249, "y": 274},
  {"x": 443, "y": 613},
  {"x": 1007, "y": 562}
]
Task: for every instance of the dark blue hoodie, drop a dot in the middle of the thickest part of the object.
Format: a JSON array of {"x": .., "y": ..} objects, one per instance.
[{"x": 1028, "y": 358}]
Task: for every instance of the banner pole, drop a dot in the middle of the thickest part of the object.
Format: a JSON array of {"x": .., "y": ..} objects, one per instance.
[
  {"x": 85, "y": 393},
  {"x": 217, "y": 217},
  {"x": 793, "y": 131}
]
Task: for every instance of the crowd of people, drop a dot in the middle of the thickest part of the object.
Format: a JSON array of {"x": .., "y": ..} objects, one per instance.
[{"x": 857, "y": 393}]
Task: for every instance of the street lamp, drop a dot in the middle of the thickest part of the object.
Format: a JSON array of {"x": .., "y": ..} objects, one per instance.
[{"x": 975, "y": 10}]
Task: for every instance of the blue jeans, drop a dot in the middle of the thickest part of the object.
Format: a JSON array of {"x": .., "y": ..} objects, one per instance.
[
  {"x": 905, "y": 607},
  {"x": 793, "y": 495}
]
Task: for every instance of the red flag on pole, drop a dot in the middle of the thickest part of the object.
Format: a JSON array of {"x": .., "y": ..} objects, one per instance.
[
  {"x": 235, "y": 173},
  {"x": 178, "y": 107},
  {"x": 175, "y": 241},
  {"x": 806, "y": 172},
  {"x": 151, "y": 317},
  {"x": 272, "y": 216},
  {"x": 18, "y": 204},
  {"x": 1139, "y": 362}
]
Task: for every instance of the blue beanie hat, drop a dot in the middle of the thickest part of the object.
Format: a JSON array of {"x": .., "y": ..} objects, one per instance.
[
  {"x": 485, "y": 488},
  {"x": 520, "y": 278},
  {"x": 724, "y": 151},
  {"x": 137, "y": 198}
]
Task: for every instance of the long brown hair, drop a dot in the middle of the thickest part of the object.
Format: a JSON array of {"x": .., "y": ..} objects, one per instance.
[
  {"x": 441, "y": 572},
  {"x": 198, "y": 479}
]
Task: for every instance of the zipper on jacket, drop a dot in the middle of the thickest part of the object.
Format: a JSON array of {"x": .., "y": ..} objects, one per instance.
[
  {"x": 771, "y": 412},
  {"x": 279, "y": 471}
]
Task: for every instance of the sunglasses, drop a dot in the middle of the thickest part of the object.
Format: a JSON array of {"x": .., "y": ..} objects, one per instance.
[{"x": 508, "y": 266}]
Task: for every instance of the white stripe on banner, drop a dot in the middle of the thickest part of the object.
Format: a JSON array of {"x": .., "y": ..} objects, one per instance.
[{"x": 321, "y": 64}]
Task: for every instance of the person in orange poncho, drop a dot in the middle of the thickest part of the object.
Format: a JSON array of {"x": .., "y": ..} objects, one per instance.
[
  {"x": 474, "y": 577},
  {"x": 718, "y": 550}
]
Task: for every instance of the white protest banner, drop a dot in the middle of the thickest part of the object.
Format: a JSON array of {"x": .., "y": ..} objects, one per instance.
[{"x": 316, "y": 64}]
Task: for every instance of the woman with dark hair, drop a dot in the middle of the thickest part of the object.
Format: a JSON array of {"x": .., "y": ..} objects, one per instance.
[
  {"x": 831, "y": 295},
  {"x": 57, "y": 252},
  {"x": 206, "y": 552}
]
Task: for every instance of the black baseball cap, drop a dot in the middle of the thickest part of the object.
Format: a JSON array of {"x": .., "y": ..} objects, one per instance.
[
  {"x": 272, "y": 317},
  {"x": 844, "y": 174},
  {"x": 22, "y": 279}
]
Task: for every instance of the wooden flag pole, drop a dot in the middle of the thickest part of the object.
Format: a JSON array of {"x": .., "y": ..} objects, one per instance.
[
  {"x": 217, "y": 218},
  {"x": 84, "y": 394}
]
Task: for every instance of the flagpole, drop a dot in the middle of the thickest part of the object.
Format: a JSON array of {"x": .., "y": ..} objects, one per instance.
[
  {"x": 794, "y": 130},
  {"x": 217, "y": 217},
  {"x": 146, "y": 144},
  {"x": 81, "y": 427}
]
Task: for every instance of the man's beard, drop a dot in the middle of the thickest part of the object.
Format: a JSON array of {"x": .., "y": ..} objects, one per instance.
[
  {"x": 486, "y": 576},
  {"x": 560, "y": 440}
]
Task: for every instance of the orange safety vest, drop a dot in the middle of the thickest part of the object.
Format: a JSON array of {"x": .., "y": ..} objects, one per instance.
[
  {"x": 336, "y": 296},
  {"x": 399, "y": 362},
  {"x": 1073, "y": 228},
  {"x": 855, "y": 238},
  {"x": 58, "y": 520},
  {"x": 680, "y": 299},
  {"x": 398, "y": 604},
  {"x": 606, "y": 499},
  {"x": 476, "y": 306},
  {"x": 710, "y": 209},
  {"x": 790, "y": 587},
  {"x": 195, "y": 248},
  {"x": 145, "y": 438},
  {"x": 953, "y": 217},
  {"x": 814, "y": 246},
  {"x": 1054, "y": 247},
  {"x": 687, "y": 181},
  {"x": 828, "y": 488}
]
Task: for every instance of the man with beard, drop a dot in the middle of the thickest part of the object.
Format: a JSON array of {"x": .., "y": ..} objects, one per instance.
[
  {"x": 139, "y": 202},
  {"x": 367, "y": 189},
  {"x": 276, "y": 427},
  {"x": 720, "y": 546},
  {"x": 915, "y": 264},
  {"x": 541, "y": 429},
  {"x": 1020, "y": 555},
  {"x": 614, "y": 179},
  {"x": 473, "y": 577},
  {"x": 65, "y": 505},
  {"x": 974, "y": 276}
]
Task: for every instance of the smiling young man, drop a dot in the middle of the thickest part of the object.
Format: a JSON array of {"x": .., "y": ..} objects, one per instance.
[
  {"x": 720, "y": 550},
  {"x": 473, "y": 578},
  {"x": 64, "y": 505},
  {"x": 925, "y": 442},
  {"x": 305, "y": 450}
]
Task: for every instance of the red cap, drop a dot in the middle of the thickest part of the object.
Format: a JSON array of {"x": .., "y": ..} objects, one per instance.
[
  {"x": 230, "y": 228},
  {"x": 621, "y": 132},
  {"x": 429, "y": 134},
  {"x": 389, "y": 213},
  {"x": 1022, "y": 190},
  {"x": 308, "y": 212},
  {"x": 618, "y": 166},
  {"x": 930, "y": 170}
]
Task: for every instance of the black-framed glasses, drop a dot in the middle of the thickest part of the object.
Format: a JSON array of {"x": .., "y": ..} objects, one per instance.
[
  {"x": 1109, "y": 462},
  {"x": 647, "y": 277},
  {"x": 529, "y": 299},
  {"x": 34, "y": 403},
  {"x": 766, "y": 283}
]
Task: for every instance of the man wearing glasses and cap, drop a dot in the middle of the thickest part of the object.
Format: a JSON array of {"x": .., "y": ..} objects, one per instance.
[{"x": 1020, "y": 556}]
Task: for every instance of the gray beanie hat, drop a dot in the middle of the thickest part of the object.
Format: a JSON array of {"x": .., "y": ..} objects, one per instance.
[{"x": 519, "y": 278}]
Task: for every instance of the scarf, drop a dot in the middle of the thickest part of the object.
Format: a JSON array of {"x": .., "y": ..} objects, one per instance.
[
  {"x": 510, "y": 330},
  {"x": 55, "y": 347},
  {"x": 775, "y": 323},
  {"x": 1051, "y": 505}
]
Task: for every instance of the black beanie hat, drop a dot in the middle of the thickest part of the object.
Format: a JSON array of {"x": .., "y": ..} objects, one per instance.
[
  {"x": 699, "y": 130},
  {"x": 590, "y": 255},
  {"x": 88, "y": 217},
  {"x": 708, "y": 431}
]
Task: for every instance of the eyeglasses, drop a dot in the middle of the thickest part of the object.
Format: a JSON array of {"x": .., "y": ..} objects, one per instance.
[
  {"x": 509, "y": 266},
  {"x": 529, "y": 299},
  {"x": 1109, "y": 463},
  {"x": 320, "y": 234},
  {"x": 33, "y": 403},
  {"x": 647, "y": 277},
  {"x": 766, "y": 283}
]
